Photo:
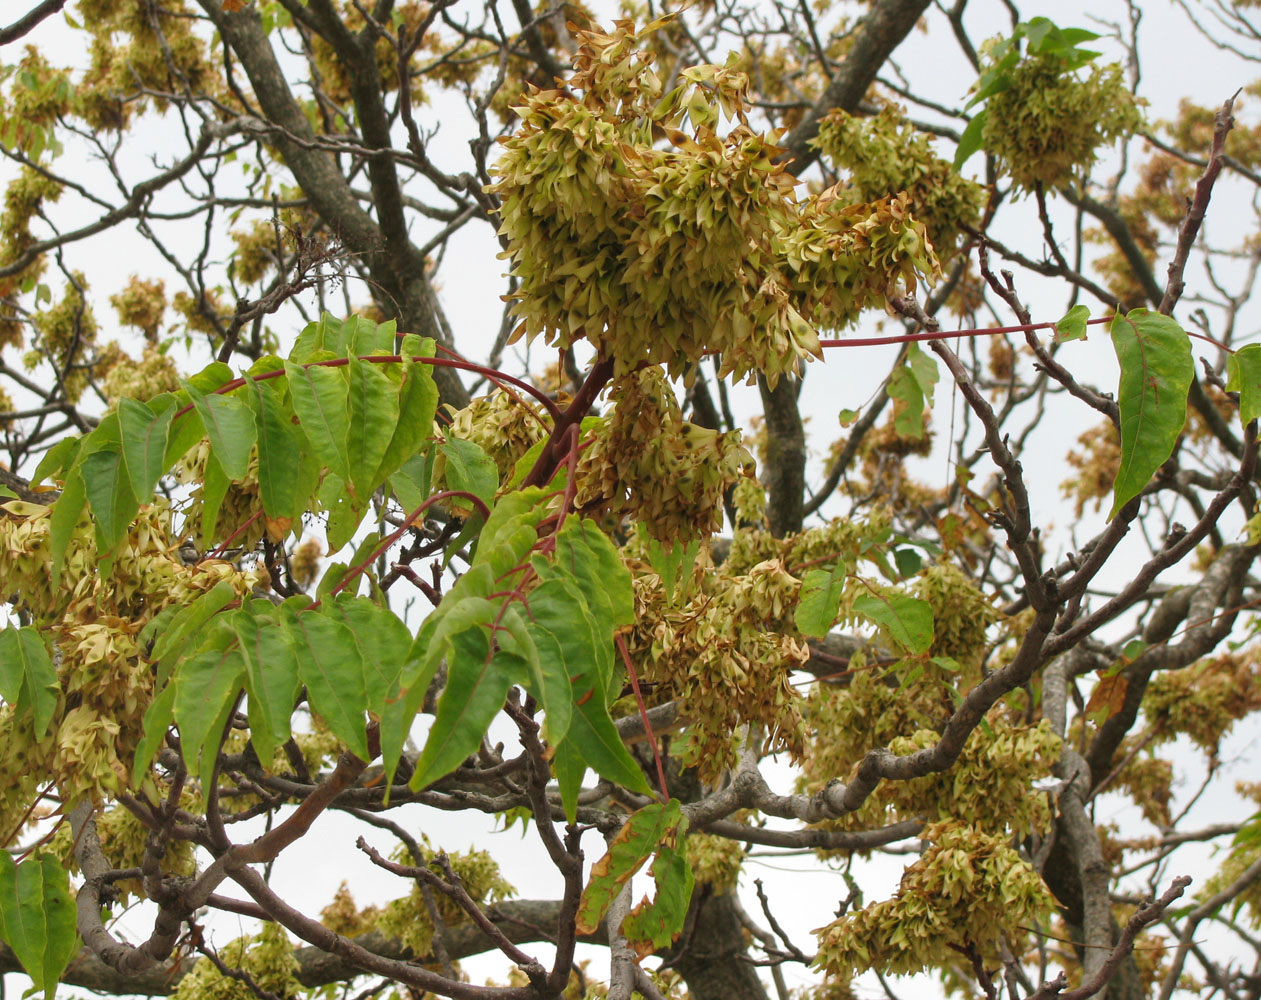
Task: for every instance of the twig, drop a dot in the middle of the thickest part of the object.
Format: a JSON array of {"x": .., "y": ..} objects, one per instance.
[
  {"x": 1223, "y": 122},
  {"x": 1143, "y": 916}
]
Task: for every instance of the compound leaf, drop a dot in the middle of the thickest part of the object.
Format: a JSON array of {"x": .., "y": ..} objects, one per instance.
[{"x": 37, "y": 917}]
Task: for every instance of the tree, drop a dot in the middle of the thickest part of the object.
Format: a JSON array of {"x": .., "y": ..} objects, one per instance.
[{"x": 687, "y": 202}]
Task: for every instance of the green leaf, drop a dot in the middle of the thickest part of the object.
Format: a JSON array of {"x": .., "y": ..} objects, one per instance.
[
  {"x": 279, "y": 452},
  {"x": 510, "y": 513},
  {"x": 269, "y": 365},
  {"x": 410, "y": 484},
  {"x": 206, "y": 689},
  {"x": 363, "y": 336},
  {"x": 596, "y": 740},
  {"x": 923, "y": 368},
  {"x": 105, "y": 436},
  {"x": 384, "y": 644},
  {"x": 908, "y": 417},
  {"x": 654, "y": 925},
  {"x": 1073, "y": 324},
  {"x": 908, "y": 562},
  {"x": 673, "y": 565},
  {"x": 640, "y": 837},
  {"x": 477, "y": 684},
  {"x": 1243, "y": 375},
  {"x": 1156, "y": 373},
  {"x": 331, "y": 667},
  {"x": 37, "y": 918},
  {"x": 229, "y": 426},
  {"x": 214, "y": 376},
  {"x": 320, "y": 399},
  {"x": 470, "y": 469},
  {"x": 595, "y": 565},
  {"x": 820, "y": 600},
  {"x": 271, "y": 675},
  {"x": 908, "y": 620},
  {"x": 144, "y": 436},
  {"x": 110, "y": 495},
  {"x": 564, "y": 632},
  {"x": 186, "y": 429},
  {"x": 186, "y": 627},
  {"x": 214, "y": 487},
  {"x": 28, "y": 679},
  {"x": 569, "y": 769},
  {"x": 157, "y": 720},
  {"x": 417, "y": 404},
  {"x": 374, "y": 409},
  {"x": 970, "y": 141},
  {"x": 912, "y": 385},
  {"x": 56, "y": 460},
  {"x": 324, "y": 335},
  {"x": 64, "y": 519}
]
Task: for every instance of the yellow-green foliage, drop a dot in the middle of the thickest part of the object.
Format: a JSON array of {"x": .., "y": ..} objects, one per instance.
[
  {"x": 141, "y": 304},
  {"x": 503, "y": 425},
  {"x": 95, "y": 620},
  {"x": 715, "y": 860},
  {"x": 990, "y": 786},
  {"x": 842, "y": 539},
  {"x": 1206, "y": 699},
  {"x": 131, "y": 63},
  {"x": 334, "y": 75},
  {"x": 1048, "y": 127},
  {"x": 1096, "y": 463},
  {"x": 886, "y": 155},
  {"x": 154, "y": 373},
  {"x": 1148, "y": 780},
  {"x": 1237, "y": 862},
  {"x": 968, "y": 888},
  {"x": 644, "y": 460},
  {"x": 23, "y": 199},
  {"x": 66, "y": 330},
  {"x": 961, "y": 613},
  {"x": 236, "y": 517},
  {"x": 725, "y": 657},
  {"x": 832, "y": 988},
  {"x": 664, "y": 255},
  {"x": 123, "y": 838},
  {"x": 194, "y": 312},
  {"x": 268, "y": 959},
  {"x": 408, "y": 919}
]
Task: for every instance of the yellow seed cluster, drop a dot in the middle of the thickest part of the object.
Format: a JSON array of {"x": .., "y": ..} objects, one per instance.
[
  {"x": 153, "y": 374},
  {"x": 646, "y": 461},
  {"x": 968, "y": 888},
  {"x": 241, "y": 502},
  {"x": 886, "y": 155},
  {"x": 141, "y": 304},
  {"x": 127, "y": 54},
  {"x": 725, "y": 657},
  {"x": 94, "y": 622},
  {"x": 1048, "y": 127},
  {"x": 503, "y": 425},
  {"x": 663, "y": 255},
  {"x": 408, "y": 920},
  {"x": 268, "y": 958}
]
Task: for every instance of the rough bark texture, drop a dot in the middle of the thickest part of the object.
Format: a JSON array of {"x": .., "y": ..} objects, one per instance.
[
  {"x": 395, "y": 265},
  {"x": 713, "y": 958},
  {"x": 523, "y": 921}
]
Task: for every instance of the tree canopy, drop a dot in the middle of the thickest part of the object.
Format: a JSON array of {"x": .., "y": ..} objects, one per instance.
[{"x": 284, "y": 533}]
